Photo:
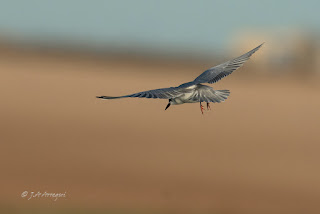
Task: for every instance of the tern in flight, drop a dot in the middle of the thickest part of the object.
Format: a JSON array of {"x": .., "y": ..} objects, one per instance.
[{"x": 195, "y": 91}]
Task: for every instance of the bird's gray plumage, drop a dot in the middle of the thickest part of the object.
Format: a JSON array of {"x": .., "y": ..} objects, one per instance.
[
  {"x": 216, "y": 73},
  {"x": 161, "y": 93},
  {"x": 194, "y": 91}
]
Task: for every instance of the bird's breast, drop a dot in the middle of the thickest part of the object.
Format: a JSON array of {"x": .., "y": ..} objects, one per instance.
[{"x": 182, "y": 99}]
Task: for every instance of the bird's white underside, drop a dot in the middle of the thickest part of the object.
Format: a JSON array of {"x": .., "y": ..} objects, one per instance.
[{"x": 184, "y": 98}]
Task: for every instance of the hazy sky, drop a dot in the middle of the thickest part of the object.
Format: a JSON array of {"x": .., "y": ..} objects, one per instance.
[{"x": 205, "y": 25}]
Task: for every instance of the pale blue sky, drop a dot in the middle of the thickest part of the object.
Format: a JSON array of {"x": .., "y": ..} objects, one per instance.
[{"x": 203, "y": 25}]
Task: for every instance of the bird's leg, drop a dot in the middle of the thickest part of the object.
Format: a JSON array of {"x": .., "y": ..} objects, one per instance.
[
  {"x": 208, "y": 106},
  {"x": 201, "y": 108}
]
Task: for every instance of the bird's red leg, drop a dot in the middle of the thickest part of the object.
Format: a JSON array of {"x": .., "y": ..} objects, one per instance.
[
  {"x": 201, "y": 108},
  {"x": 208, "y": 106}
]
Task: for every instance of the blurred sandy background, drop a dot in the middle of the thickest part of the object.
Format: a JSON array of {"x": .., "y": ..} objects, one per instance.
[{"x": 258, "y": 152}]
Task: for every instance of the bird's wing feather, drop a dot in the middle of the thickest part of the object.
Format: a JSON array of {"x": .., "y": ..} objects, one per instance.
[
  {"x": 216, "y": 73},
  {"x": 162, "y": 93}
]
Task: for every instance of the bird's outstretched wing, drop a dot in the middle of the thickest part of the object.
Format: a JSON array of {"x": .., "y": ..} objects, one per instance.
[
  {"x": 162, "y": 93},
  {"x": 216, "y": 73}
]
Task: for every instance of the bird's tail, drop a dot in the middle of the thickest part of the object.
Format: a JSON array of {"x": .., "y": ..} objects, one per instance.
[{"x": 222, "y": 94}]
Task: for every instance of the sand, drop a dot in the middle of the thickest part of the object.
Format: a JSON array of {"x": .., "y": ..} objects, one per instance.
[{"x": 258, "y": 152}]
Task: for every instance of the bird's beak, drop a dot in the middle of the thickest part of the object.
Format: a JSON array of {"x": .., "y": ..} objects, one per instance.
[{"x": 168, "y": 105}]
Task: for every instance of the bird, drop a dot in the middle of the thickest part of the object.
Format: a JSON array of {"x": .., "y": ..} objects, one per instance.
[{"x": 195, "y": 91}]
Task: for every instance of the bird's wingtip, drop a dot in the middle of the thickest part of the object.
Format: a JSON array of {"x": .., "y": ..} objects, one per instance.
[{"x": 107, "y": 97}]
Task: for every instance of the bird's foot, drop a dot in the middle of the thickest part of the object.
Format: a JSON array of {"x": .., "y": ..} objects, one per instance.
[
  {"x": 201, "y": 108},
  {"x": 208, "y": 106}
]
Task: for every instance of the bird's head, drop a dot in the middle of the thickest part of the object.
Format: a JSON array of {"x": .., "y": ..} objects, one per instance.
[{"x": 168, "y": 104}]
